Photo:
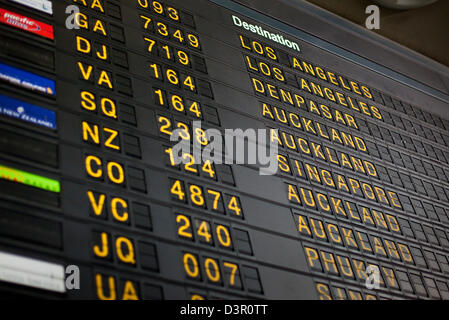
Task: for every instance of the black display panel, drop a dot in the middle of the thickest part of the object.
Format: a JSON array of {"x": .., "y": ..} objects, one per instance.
[{"x": 89, "y": 101}]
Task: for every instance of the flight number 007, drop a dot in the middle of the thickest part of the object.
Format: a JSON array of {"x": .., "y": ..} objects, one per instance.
[
  {"x": 197, "y": 197},
  {"x": 212, "y": 271}
]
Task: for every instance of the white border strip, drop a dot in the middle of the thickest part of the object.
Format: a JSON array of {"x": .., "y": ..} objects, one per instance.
[
  {"x": 41, "y": 5},
  {"x": 31, "y": 272}
]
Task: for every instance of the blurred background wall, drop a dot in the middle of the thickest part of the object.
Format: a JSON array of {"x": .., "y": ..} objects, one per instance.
[{"x": 425, "y": 30}]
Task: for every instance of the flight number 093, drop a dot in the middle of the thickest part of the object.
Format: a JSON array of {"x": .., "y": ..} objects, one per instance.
[
  {"x": 159, "y": 8},
  {"x": 211, "y": 198},
  {"x": 212, "y": 270}
]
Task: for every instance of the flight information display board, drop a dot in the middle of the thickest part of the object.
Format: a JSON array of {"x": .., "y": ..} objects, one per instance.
[{"x": 91, "y": 91}]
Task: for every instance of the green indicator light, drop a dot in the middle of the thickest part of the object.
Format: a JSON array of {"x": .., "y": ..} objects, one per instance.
[{"x": 29, "y": 179}]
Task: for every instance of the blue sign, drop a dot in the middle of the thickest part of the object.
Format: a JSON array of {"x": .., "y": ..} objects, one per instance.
[
  {"x": 27, "y": 112},
  {"x": 27, "y": 80}
]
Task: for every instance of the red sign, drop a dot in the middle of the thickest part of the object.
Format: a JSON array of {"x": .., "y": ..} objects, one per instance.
[{"x": 27, "y": 24}]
